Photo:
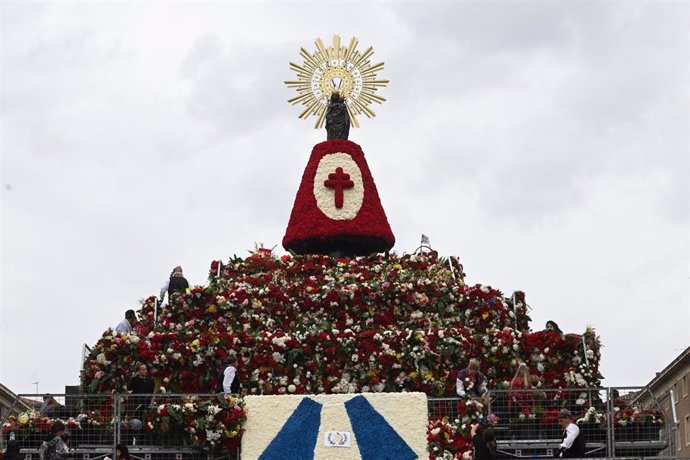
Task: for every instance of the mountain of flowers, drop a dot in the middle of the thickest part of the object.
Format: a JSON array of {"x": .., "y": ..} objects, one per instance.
[{"x": 316, "y": 324}]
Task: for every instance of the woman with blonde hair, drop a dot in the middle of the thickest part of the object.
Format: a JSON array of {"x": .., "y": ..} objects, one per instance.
[{"x": 519, "y": 398}]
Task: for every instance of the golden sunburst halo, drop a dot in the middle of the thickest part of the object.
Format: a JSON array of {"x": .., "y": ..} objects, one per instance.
[{"x": 336, "y": 68}]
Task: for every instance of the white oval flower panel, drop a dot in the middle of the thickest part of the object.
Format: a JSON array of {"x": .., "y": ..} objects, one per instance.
[{"x": 338, "y": 186}]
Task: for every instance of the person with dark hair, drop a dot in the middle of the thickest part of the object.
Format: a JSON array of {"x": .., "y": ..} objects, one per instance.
[
  {"x": 50, "y": 407},
  {"x": 122, "y": 453},
  {"x": 12, "y": 451},
  {"x": 553, "y": 327},
  {"x": 230, "y": 380},
  {"x": 54, "y": 448},
  {"x": 141, "y": 384},
  {"x": 484, "y": 441},
  {"x": 125, "y": 326},
  {"x": 176, "y": 283},
  {"x": 573, "y": 444}
]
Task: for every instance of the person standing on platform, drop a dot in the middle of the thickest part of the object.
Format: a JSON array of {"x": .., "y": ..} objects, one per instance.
[
  {"x": 176, "y": 283},
  {"x": 472, "y": 383},
  {"x": 230, "y": 377},
  {"x": 126, "y": 324},
  {"x": 519, "y": 398},
  {"x": 573, "y": 444},
  {"x": 141, "y": 384},
  {"x": 50, "y": 407}
]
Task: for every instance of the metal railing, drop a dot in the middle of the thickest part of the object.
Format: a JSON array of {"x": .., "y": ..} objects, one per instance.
[
  {"x": 616, "y": 422},
  {"x": 147, "y": 424}
]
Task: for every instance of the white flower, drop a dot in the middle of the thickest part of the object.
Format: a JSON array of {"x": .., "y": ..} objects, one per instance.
[{"x": 292, "y": 388}]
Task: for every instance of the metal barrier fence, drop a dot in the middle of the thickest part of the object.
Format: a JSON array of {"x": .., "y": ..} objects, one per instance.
[
  {"x": 151, "y": 426},
  {"x": 616, "y": 422}
]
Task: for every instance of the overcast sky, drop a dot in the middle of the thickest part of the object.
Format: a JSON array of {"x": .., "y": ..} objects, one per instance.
[{"x": 544, "y": 143}]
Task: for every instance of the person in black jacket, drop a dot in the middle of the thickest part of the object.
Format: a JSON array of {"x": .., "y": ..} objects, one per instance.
[
  {"x": 12, "y": 451},
  {"x": 141, "y": 384},
  {"x": 176, "y": 283},
  {"x": 484, "y": 442}
]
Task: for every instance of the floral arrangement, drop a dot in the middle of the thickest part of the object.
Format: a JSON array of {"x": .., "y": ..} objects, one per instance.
[
  {"x": 449, "y": 438},
  {"x": 30, "y": 428},
  {"x": 635, "y": 415},
  {"x": 592, "y": 416},
  {"x": 316, "y": 324},
  {"x": 326, "y": 218},
  {"x": 209, "y": 423}
]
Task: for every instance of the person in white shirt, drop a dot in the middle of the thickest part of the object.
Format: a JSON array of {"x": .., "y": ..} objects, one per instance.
[
  {"x": 573, "y": 444},
  {"x": 126, "y": 324},
  {"x": 231, "y": 381}
]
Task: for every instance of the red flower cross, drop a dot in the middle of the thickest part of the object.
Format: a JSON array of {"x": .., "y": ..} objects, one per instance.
[{"x": 339, "y": 181}]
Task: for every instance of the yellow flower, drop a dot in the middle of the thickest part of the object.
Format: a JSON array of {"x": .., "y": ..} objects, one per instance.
[
  {"x": 485, "y": 315},
  {"x": 212, "y": 309}
]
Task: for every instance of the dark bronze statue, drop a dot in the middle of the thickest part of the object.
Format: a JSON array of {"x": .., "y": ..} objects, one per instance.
[{"x": 337, "y": 118}]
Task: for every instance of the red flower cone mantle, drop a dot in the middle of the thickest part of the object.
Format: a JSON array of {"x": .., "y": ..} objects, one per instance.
[{"x": 337, "y": 210}]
